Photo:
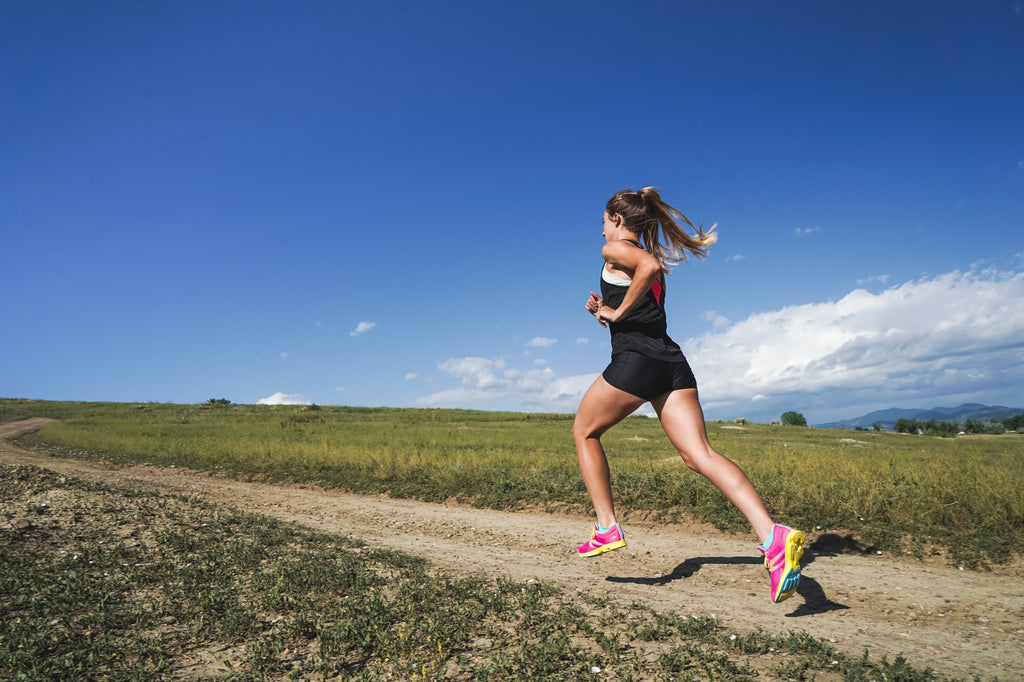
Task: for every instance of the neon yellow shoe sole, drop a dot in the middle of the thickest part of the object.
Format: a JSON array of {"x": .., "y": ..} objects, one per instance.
[
  {"x": 599, "y": 543},
  {"x": 782, "y": 559}
]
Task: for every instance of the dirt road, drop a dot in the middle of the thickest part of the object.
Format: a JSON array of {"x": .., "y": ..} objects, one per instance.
[{"x": 961, "y": 623}]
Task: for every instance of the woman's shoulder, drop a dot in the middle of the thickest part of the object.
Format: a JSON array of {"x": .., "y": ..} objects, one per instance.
[
  {"x": 626, "y": 253},
  {"x": 618, "y": 249}
]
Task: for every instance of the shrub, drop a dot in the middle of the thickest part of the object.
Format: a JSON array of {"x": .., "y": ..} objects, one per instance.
[{"x": 793, "y": 419}]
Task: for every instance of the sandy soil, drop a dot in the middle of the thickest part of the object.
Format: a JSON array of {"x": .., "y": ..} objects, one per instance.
[{"x": 961, "y": 623}]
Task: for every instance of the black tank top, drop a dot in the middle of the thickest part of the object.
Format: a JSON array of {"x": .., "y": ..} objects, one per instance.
[{"x": 645, "y": 328}]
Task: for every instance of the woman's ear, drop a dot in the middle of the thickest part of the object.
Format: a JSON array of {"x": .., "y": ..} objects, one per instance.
[{"x": 617, "y": 220}]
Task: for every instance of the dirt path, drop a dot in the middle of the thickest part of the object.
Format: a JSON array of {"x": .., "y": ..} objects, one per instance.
[{"x": 960, "y": 623}]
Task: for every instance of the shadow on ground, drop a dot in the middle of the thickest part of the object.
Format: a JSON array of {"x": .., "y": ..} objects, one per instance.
[
  {"x": 833, "y": 543},
  {"x": 815, "y": 599},
  {"x": 687, "y": 569}
]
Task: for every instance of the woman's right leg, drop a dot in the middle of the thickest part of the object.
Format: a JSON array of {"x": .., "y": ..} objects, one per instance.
[{"x": 602, "y": 407}]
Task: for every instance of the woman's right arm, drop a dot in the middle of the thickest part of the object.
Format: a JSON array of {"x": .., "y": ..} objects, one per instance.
[{"x": 594, "y": 304}]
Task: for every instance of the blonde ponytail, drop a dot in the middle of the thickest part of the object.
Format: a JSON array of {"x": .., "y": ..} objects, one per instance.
[{"x": 645, "y": 213}]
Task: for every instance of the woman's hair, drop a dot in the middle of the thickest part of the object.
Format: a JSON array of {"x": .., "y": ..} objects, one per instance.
[{"x": 644, "y": 212}]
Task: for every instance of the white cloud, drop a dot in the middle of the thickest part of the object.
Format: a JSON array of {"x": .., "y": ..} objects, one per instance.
[
  {"x": 933, "y": 337},
  {"x": 284, "y": 354},
  {"x": 735, "y": 257},
  {"x": 280, "y": 398},
  {"x": 541, "y": 342},
  {"x": 802, "y": 231},
  {"x": 717, "y": 321},
  {"x": 491, "y": 384},
  {"x": 582, "y": 340},
  {"x": 880, "y": 279},
  {"x": 412, "y": 376},
  {"x": 362, "y": 328}
]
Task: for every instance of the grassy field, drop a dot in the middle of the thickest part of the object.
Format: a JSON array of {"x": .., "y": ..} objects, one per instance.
[
  {"x": 130, "y": 585},
  {"x": 895, "y": 492},
  {"x": 109, "y": 583}
]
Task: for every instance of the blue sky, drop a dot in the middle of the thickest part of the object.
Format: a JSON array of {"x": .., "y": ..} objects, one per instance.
[{"x": 398, "y": 203}]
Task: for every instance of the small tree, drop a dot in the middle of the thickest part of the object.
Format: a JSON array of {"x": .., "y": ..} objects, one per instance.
[
  {"x": 1014, "y": 423},
  {"x": 994, "y": 427},
  {"x": 904, "y": 425},
  {"x": 973, "y": 426},
  {"x": 793, "y": 419},
  {"x": 934, "y": 427}
]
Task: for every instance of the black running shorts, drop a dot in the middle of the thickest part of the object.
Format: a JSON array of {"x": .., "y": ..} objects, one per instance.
[{"x": 646, "y": 377}]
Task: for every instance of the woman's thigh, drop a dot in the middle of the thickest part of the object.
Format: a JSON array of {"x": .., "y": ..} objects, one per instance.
[
  {"x": 603, "y": 406},
  {"x": 683, "y": 420}
]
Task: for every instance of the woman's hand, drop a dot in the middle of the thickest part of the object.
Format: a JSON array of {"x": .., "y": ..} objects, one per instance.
[
  {"x": 605, "y": 315},
  {"x": 594, "y": 304}
]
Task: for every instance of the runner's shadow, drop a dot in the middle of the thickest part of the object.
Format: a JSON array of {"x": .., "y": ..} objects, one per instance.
[
  {"x": 834, "y": 544},
  {"x": 815, "y": 599},
  {"x": 687, "y": 569}
]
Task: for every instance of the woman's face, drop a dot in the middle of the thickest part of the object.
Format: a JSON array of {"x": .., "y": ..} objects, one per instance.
[{"x": 610, "y": 230}]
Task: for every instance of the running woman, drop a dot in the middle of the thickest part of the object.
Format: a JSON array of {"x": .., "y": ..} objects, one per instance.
[{"x": 642, "y": 237}]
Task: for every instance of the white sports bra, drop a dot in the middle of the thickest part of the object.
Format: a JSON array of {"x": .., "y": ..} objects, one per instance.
[{"x": 612, "y": 279}]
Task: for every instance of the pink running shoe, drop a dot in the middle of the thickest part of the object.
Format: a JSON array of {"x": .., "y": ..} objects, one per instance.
[
  {"x": 599, "y": 543},
  {"x": 782, "y": 551}
]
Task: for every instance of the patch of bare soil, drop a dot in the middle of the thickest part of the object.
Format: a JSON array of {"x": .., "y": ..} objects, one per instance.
[{"x": 961, "y": 623}]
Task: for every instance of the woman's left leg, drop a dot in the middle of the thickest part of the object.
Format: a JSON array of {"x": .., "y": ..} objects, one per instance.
[
  {"x": 782, "y": 546},
  {"x": 683, "y": 421}
]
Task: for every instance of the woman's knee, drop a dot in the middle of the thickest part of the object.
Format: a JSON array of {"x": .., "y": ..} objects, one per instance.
[
  {"x": 689, "y": 461},
  {"x": 585, "y": 429},
  {"x": 698, "y": 459}
]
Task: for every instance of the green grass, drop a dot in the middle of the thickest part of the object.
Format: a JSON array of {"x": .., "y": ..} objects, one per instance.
[
  {"x": 108, "y": 583},
  {"x": 884, "y": 491}
]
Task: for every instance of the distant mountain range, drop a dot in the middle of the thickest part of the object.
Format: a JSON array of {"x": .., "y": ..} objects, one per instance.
[{"x": 888, "y": 418}]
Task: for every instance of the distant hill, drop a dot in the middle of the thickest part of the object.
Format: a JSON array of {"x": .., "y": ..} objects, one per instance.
[{"x": 888, "y": 418}]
